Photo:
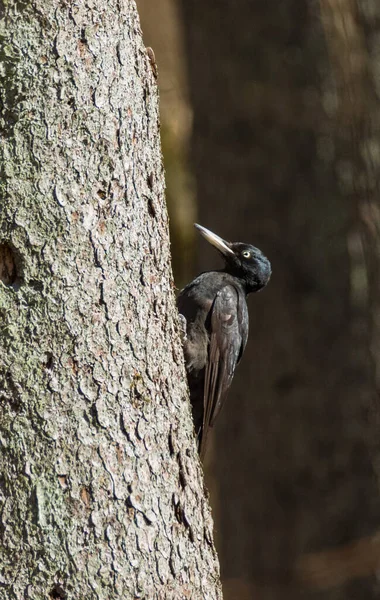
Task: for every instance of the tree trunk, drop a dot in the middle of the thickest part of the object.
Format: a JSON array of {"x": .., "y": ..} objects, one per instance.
[
  {"x": 101, "y": 491},
  {"x": 354, "y": 50},
  {"x": 292, "y": 462}
]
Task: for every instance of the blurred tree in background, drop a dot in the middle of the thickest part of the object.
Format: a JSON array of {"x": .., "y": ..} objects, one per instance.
[
  {"x": 162, "y": 28},
  {"x": 285, "y": 153}
]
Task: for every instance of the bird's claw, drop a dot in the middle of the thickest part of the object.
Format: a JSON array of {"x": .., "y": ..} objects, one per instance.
[{"x": 182, "y": 328}]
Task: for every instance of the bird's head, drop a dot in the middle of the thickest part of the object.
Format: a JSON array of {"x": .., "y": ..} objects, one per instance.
[{"x": 243, "y": 261}]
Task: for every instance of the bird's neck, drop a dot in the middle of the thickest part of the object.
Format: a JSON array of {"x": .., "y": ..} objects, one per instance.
[{"x": 241, "y": 282}]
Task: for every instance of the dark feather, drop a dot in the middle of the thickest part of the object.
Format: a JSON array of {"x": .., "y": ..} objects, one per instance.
[{"x": 228, "y": 337}]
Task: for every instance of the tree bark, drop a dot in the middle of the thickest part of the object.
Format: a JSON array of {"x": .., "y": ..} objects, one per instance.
[
  {"x": 292, "y": 461},
  {"x": 101, "y": 490}
]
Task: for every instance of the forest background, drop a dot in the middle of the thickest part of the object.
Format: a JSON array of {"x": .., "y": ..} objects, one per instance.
[{"x": 270, "y": 131}]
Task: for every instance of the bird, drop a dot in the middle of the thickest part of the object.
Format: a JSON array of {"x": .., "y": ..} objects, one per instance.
[{"x": 214, "y": 326}]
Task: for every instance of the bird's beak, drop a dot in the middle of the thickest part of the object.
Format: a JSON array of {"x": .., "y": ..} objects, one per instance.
[{"x": 215, "y": 240}]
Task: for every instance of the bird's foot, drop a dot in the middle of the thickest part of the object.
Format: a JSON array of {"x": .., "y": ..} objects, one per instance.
[{"x": 182, "y": 328}]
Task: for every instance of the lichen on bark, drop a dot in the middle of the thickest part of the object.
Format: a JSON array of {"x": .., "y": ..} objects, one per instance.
[{"x": 101, "y": 491}]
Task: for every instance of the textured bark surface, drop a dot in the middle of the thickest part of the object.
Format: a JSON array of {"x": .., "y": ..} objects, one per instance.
[
  {"x": 292, "y": 459},
  {"x": 101, "y": 490}
]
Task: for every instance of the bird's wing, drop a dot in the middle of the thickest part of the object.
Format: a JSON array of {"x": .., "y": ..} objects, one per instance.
[{"x": 228, "y": 336}]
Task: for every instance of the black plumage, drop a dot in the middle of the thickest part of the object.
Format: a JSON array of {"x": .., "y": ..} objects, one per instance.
[{"x": 215, "y": 326}]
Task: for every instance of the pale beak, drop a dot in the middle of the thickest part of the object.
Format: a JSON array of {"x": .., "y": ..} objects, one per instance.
[{"x": 214, "y": 240}]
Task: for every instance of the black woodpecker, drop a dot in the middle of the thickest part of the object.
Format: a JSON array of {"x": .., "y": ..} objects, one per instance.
[{"x": 214, "y": 319}]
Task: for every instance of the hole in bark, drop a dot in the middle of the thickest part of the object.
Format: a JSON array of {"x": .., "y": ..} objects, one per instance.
[
  {"x": 8, "y": 268},
  {"x": 49, "y": 362},
  {"x": 151, "y": 207},
  {"x": 36, "y": 285},
  {"x": 57, "y": 591}
]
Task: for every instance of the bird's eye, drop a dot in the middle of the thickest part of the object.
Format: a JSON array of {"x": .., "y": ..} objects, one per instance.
[{"x": 246, "y": 254}]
